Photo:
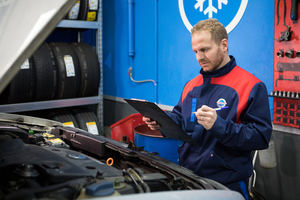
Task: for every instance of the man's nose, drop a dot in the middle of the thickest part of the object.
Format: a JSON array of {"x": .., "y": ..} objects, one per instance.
[{"x": 200, "y": 55}]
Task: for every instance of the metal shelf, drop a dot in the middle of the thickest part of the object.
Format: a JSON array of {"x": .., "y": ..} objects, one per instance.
[
  {"x": 286, "y": 129},
  {"x": 61, "y": 103},
  {"x": 78, "y": 24},
  {"x": 41, "y": 105}
]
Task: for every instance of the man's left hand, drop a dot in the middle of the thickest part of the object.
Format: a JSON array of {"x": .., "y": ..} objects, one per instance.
[{"x": 206, "y": 116}]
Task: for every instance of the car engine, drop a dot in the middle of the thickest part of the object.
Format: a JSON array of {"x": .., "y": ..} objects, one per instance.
[{"x": 38, "y": 162}]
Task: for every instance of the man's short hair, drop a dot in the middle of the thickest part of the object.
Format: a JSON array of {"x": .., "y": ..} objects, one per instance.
[{"x": 216, "y": 29}]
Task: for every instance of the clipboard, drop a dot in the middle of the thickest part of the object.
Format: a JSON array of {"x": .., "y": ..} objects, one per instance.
[{"x": 169, "y": 128}]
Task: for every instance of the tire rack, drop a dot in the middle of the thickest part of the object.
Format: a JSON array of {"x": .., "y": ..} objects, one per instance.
[
  {"x": 42, "y": 105},
  {"x": 286, "y": 93}
]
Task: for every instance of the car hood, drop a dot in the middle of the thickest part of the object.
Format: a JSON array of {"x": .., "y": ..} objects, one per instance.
[
  {"x": 54, "y": 156},
  {"x": 24, "y": 25}
]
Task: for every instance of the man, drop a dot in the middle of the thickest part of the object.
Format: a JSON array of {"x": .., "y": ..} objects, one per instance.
[{"x": 225, "y": 109}]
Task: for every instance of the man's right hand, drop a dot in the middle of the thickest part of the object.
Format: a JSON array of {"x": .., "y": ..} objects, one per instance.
[{"x": 153, "y": 125}]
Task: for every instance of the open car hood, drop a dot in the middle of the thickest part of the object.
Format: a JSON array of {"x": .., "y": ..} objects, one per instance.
[{"x": 24, "y": 25}]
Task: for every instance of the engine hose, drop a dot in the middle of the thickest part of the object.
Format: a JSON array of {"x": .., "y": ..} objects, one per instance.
[
  {"x": 134, "y": 175},
  {"x": 140, "y": 189}
]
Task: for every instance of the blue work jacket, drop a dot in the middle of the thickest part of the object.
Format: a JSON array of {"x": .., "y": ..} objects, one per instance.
[{"x": 224, "y": 153}]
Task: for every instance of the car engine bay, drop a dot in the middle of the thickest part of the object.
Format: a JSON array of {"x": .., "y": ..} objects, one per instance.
[{"x": 59, "y": 162}]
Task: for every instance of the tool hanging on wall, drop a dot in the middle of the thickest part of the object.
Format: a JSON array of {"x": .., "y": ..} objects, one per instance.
[
  {"x": 281, "y": 78},
  {"x": 281, "y": 67},
  {"x": 294, "y": 10},
  {"x": 287, "y": 72},
  {"x": 286, "y": 92},
  {"x": 285, "y": 35}
]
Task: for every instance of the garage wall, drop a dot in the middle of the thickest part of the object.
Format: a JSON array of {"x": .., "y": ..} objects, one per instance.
[
  {"x": 162, "y": 52},
  {"x": 160, "y": 43}
]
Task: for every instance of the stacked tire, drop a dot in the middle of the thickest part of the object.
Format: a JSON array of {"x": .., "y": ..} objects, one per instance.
[
  {"x": 65, "y": 117},
  {"x": 78, "y": 118},
  {"x": 68, "y": 72},
  {"x": 84, "y": 10},
  {"x": 88, "y": 121},
  {"x": 45, "y": 73},
  {"x": 89, "y": 69},
  {"x": 56, "y": 71},
  {"x": 21, "y": 88}
]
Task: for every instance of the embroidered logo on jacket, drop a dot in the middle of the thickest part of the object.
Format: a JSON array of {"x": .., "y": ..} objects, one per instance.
[{"x": 221, "y": 103}]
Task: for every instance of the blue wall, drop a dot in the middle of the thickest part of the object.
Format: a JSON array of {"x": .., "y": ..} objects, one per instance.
[{"x": 163, "y": 48}]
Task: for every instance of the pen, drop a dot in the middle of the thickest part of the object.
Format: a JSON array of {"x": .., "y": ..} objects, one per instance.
[
  {"x": 217, "y": 109},
  {"x": 221, "y": 108}
]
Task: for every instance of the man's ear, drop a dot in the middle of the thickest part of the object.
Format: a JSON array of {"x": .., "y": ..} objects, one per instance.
[{"x": 224, "y": 45}]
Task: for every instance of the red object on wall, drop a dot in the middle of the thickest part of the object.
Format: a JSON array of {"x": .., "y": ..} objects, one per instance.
[
  {"x": 286, "y": 108},
  {"x": 123, "y": 130},
  {"x": 286, "y": 112}
]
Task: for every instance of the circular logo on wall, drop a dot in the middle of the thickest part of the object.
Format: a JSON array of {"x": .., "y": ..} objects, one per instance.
[{"x": 228, "y": 12}]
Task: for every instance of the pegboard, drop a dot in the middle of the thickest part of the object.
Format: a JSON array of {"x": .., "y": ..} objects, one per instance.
[{"x": 286, "y": 63}]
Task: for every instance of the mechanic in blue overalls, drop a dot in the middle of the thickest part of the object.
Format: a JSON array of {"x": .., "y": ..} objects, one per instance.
[{"x": 225, "y": 109}]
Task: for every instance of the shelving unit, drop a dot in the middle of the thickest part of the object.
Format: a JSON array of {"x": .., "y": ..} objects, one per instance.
[
  {"x": 42, "y": 105},
  {"x": 61, "y": 103},
  {"x": 78, "y": 24}
]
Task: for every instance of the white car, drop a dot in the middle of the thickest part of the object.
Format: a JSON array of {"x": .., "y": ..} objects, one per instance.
[{"x": 43, "y": 159}]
